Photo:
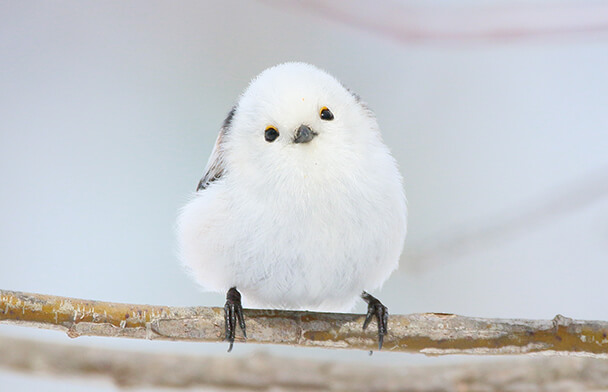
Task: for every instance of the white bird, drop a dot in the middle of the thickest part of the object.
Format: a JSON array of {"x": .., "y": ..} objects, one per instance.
[{"x": 301, "y": 205}]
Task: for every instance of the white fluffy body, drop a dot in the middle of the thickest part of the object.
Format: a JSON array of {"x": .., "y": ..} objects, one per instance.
[{"x": 296, "y": 225}]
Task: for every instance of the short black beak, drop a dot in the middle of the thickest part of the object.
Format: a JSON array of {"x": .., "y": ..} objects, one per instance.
[{"x": 304, "y": 134}]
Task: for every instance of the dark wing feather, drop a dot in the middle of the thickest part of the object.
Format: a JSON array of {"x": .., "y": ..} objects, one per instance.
[{"x": 215, "y": 166}]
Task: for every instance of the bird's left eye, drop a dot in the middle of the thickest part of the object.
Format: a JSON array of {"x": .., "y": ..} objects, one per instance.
[
  {"x": 270, "y": 134},
  {"x": 326, "y": 114}
]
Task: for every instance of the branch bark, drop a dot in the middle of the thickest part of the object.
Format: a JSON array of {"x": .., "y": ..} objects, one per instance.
[
  {"x": 264, "y": 372},
  {"x": 427, "y": 333}
]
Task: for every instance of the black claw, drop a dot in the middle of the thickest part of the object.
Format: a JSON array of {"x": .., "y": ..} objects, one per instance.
[
  {"x": 375, "y": 308},
  {"x": 233, "y": 311}
]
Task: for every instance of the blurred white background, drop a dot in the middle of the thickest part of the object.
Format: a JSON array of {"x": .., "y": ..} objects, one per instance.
[{"x": 109, "y": 110}]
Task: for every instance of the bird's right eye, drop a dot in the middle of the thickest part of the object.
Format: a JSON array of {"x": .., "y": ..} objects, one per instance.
[{"x": 271, "y": 134}]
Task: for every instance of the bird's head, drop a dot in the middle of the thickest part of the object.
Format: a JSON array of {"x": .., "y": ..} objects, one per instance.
[{"x": 300, "y": 119}]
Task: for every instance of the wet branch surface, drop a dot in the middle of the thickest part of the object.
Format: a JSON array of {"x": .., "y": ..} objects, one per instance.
[{"x": 427, "y": 333}]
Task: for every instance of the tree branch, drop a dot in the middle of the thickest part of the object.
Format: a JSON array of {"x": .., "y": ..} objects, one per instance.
[
  {"x": 263, "y": 372},
  {"x": 427, "y": 333}
]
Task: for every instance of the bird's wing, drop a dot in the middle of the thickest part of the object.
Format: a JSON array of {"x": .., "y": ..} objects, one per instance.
[{"x": 215, "y": 166}]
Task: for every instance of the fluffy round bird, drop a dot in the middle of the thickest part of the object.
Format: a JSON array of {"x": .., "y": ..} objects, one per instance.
[{"x": 301, "y": 205}]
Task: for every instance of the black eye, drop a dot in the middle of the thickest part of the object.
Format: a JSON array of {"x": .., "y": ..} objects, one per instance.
[
  {"x": 271, "y": 134},
  {"x": 326, "y": 114}
]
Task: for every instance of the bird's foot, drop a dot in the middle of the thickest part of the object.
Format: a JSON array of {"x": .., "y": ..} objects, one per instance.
[
  {"x": 233, "y": 312},
  {"x": 375, "y": 308}
]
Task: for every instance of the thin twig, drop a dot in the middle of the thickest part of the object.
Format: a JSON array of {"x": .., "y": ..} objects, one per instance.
[
  {"x": 555, "y": 203},
  {"x": 428, "y": 333},
  {"x": 262, "y": 372}
]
